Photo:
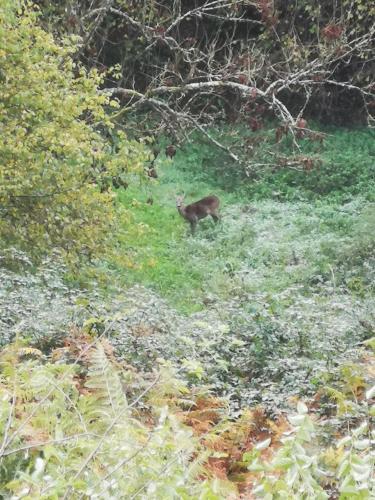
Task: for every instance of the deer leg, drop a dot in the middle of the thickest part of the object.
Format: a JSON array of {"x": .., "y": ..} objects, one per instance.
[
  {"x": 215, "y": 217},
  {"x": 193, "y": 225}
]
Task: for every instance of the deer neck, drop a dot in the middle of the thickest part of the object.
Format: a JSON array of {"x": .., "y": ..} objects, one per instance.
[{"x": 182, "y": 211}]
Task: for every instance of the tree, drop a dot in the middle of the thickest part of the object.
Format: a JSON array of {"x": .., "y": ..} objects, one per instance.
[
  {"x": 194, "y": 63},
  {"x": 53, "y": 155}
]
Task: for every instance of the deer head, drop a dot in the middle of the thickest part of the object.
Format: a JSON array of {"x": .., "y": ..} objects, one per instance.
[{"x": 180, "y": 201}]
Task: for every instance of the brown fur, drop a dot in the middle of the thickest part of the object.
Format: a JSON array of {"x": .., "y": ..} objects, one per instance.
[{"x": 199, "y": 210}]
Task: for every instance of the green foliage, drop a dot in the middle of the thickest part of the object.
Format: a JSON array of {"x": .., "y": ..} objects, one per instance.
[
  {"x": 60, "y": 435},
  {"x": 254, "y": 237},
  {"x": 36, "y": 305},
  {"x": 341, "y": 167},
  {"x": 356, "y": 465},
  {"x": 295, "y": 470},
  {"x": 248, "y": 346},
  {"x": 90, "y": 425},
  {"x": 279, "y": 295},
  {"x": 277, "y": 282},
  {"x": 51, "y": 151},
  {"x": 276, "y": 294},
  {"x": 297, "y": 465}
]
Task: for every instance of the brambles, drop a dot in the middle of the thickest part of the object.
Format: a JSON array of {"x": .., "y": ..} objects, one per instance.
[{"x": 64, "y": 417}]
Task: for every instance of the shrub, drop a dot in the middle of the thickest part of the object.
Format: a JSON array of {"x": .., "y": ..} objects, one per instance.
[
  {"x": 297, "y": 469},
  {"x": 36, "y": 305},
  {"x": 52, "y": 154}
]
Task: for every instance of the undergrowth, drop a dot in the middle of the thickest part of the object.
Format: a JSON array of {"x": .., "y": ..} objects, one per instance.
[
  {"x": 280, "y": 290},
  {"x": 68, "y": 429},
  {"x": 274, "y": 303},
  {"x": 342, "y": 166},
  {"x": 82, "y": 423},
  {"x": 254, "y": 347}
]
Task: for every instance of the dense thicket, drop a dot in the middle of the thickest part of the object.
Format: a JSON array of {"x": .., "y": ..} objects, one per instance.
[{"x": 316, "y": 58}]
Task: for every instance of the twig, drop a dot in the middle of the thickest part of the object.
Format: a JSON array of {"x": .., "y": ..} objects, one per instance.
[
  {"x": 9, "y": 421},
  {"x": 43, "y": 443}
]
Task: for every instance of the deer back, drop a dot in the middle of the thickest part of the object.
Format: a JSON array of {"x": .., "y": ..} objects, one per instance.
[{"x": 201, "y": 208}]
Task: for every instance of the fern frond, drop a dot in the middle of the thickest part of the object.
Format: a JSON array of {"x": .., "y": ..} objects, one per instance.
[{"x": 104, "y": 382}]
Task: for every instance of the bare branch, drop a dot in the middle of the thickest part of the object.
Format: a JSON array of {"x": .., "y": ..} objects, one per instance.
[{"x": 195, "y": 67}]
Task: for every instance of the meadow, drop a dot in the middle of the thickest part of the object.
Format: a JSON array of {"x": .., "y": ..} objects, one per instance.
[{"x": 278, "y": 294}]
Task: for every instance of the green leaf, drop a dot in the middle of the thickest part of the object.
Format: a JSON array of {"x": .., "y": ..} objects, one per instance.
[
  {"x": 296, "y": 420},
  {"x": 361, "y": 444}
]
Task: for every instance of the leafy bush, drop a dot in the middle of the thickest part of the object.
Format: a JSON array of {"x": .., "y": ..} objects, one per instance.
[
  {"x": 296, "y": 472},
  {"x": 36, "y": 305},
  {"x": 239, "y": 348},
  {"x": 52, "y": 154}
]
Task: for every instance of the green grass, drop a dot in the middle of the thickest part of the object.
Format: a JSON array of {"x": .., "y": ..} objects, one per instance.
[
  {"x": 344, "y": 165},
  {"x": 166, "y": 256},
  {"x": 260, "y": 246}
]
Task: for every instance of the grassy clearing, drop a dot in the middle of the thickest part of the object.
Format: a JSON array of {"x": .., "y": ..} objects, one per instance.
[
  {"x": 261, "y": 245},
  {"x": 278, "y": 293},
  {"x": 166, "y": 257}
]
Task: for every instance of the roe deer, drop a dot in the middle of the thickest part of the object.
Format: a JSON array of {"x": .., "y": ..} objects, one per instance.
[{"x": 198, "y": 210}]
